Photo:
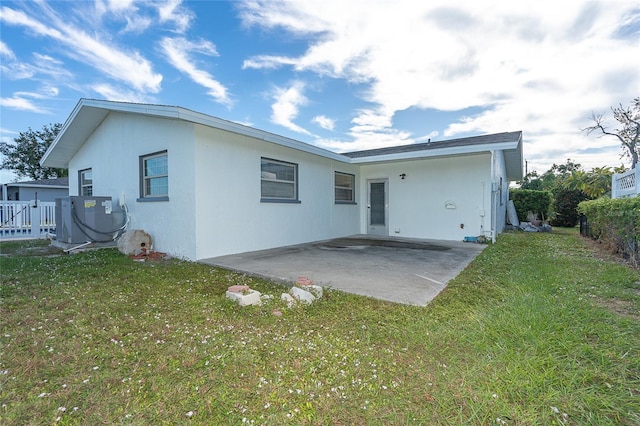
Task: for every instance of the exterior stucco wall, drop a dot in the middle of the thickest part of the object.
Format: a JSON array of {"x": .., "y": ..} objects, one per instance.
[
  {"x": 417, "y": 203},
  {"x": 21, "y": 193},
  {"x": 230, "y": 218},
  {"x": 214, "y": 205},
  {"x": 113, "y": 152},
  {"x": 44, "y": 194}
]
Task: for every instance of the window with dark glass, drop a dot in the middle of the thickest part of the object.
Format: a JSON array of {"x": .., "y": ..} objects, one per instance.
[
  {"x": 278, "y": 181},
  {"x": 154, "y": 176},
  {"x": 345, "y": 188},
  {"x": 85, "y": 180}
]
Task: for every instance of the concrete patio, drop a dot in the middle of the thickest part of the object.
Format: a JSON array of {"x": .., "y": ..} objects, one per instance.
[{"x": 401, "y": 270}]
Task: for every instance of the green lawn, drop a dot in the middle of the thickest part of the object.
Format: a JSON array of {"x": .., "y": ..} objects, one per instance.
[{"x": 538, "y": 330}]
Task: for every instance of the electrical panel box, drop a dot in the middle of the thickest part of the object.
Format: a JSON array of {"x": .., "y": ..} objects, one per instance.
[{"x": 80, "y": 219}]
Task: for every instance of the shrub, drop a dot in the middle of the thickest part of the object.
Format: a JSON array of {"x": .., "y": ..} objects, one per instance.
[
  {"x": 615, "y": 222},
  {"x": 565, "y": 203},
  {"x": 530, "y": 200}
]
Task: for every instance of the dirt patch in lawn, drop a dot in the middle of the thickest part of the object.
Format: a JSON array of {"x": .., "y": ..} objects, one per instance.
[
  {"x": 607, "y": 252},
  {"x": 30, "y": 248},
  {"x": 625, "y": 308}
]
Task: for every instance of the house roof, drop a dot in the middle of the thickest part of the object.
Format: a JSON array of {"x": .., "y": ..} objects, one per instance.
[
  {"x": 509, "y": 142},
  {"x": 88, "y": 114},
  {"x": 62, "y": 182}
]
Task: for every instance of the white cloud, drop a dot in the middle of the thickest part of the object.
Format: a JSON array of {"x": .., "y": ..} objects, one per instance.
[
  {"x": 179, "y": 50},
  {"x": 363, "y": 140},
  {"x": 137, "y": 24},
  {"x": 324, "y": 122},
  {"x": 20, "y": 102},
  {"x": 127, "y": 66},
  {"x": 268, "y": 62},
  {"x": 121, "y": 10},
  {"x": 6, "y": 52},
  {"x": 116, "y": 5},
  {"x": 427, "y": 137},
  {"x": 117, "y": 93},
  {"x": 42, "y": 65},
  {"x": 48, "y": 66},
  {"x": 172, "y": 11},
  {"x": 4, "y": 134},
  {"x": 538, "y": 67},
  {"x": 16, "y": 70},
  {"x": 286, "y": 106}
]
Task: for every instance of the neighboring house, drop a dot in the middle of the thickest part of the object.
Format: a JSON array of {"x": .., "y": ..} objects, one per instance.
[
  {"x": 43, "y": 190},
  {"x": 205, "y": 187}
]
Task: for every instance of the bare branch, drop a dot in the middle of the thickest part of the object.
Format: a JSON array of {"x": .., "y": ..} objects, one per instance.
[{"x": 628, "y": 134}]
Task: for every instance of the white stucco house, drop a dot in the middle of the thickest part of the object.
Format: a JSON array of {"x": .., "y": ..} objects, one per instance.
[
  {"x": 205, "y": 187},
  {"x": 42, "y": 190}
]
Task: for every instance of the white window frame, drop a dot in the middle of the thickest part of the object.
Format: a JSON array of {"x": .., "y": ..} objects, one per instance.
[
  {"x": 351, "y": 187},
  {"x": 85, "y": 185},
  {"x": 145, "y": 194},
  {"x": 268, "y": 177}
]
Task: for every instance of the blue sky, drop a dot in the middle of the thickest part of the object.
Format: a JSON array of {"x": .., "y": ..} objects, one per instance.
[{"x": 342, "y": 75}]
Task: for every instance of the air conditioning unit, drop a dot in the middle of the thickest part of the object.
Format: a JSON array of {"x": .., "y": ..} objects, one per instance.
[{"x": 80, "y": 219}]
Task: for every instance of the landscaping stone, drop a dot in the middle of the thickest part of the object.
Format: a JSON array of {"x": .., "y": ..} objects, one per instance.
[
  {"x": 289, "y": 299},
  {"x": 246, "y": 298},
  {"x": 304, "y": 281},
  {"x": 134, "y": 242},
  {"x": 302, "y": 295},
  {"x": 316, "y": 290}
]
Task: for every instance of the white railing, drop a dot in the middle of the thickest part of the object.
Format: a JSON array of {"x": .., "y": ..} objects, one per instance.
[
  {"x": 626, "y": 184},
  {"x": 27, "y": 219}
]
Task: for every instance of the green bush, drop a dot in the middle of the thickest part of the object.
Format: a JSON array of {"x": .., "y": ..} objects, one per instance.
[
  {"x": 565, "y": 207},
  {"x": 615, "y": 222},
  {"x": 530, "y": 200}
]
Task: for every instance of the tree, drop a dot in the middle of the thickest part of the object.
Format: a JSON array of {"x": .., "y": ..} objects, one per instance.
[
  {"x": 531, "y": 181},
  {"x": 598, "y": 182},
  {"x": 569, "y": 184},
  {"x": 24, "y": 154},
  {"x": 628, "y": 134},
  {"x": 552, "y": 178},
  {"x": 565, "y": 205}
]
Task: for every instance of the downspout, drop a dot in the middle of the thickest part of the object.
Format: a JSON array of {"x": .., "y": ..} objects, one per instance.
[
  {"x": 483, "y": 211},
  {"x": 494, "y": 194}
]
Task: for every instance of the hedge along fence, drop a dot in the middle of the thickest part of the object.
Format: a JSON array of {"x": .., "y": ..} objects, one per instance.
[
  {"x": 615, "y": 222},
  {"x": 530, "y": 200}
]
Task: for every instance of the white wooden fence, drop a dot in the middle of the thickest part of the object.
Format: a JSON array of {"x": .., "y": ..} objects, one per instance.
[
  {"x": 26, "y": 219},
  {"x": 626, "y": 184}
]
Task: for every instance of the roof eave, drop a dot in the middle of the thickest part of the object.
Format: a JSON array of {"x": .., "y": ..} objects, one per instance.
[
  {"x": 88, "y": 114},
  {"x": 514, "y": 161},
  {"x": 38, "y": 186},
  {"x": 440, "y": 152},
  {"x": 73, "y": 134}
]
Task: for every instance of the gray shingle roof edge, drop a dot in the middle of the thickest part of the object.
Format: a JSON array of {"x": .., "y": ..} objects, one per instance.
[{"x": 494, "y": 138}]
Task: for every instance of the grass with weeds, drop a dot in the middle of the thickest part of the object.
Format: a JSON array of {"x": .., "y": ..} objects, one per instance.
[{"x": 538, "y": 330}]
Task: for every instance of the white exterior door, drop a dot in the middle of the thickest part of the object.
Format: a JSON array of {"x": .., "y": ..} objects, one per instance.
[{"x": 377, "y": 207}]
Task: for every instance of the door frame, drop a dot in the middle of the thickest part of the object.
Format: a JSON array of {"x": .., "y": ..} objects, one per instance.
[{"x": 382, "y": 230}]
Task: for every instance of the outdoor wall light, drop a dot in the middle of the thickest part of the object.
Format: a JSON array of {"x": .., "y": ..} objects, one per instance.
[{"x": 403, "y": 175}]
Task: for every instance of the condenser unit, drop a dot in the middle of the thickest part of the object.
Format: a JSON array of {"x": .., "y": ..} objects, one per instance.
[{"x": 80, "y": 219}]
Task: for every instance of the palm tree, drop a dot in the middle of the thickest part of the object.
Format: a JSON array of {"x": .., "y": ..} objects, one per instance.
[
  {"x": 598, "y": 182},
  {"x": 595, "y": 183}
]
